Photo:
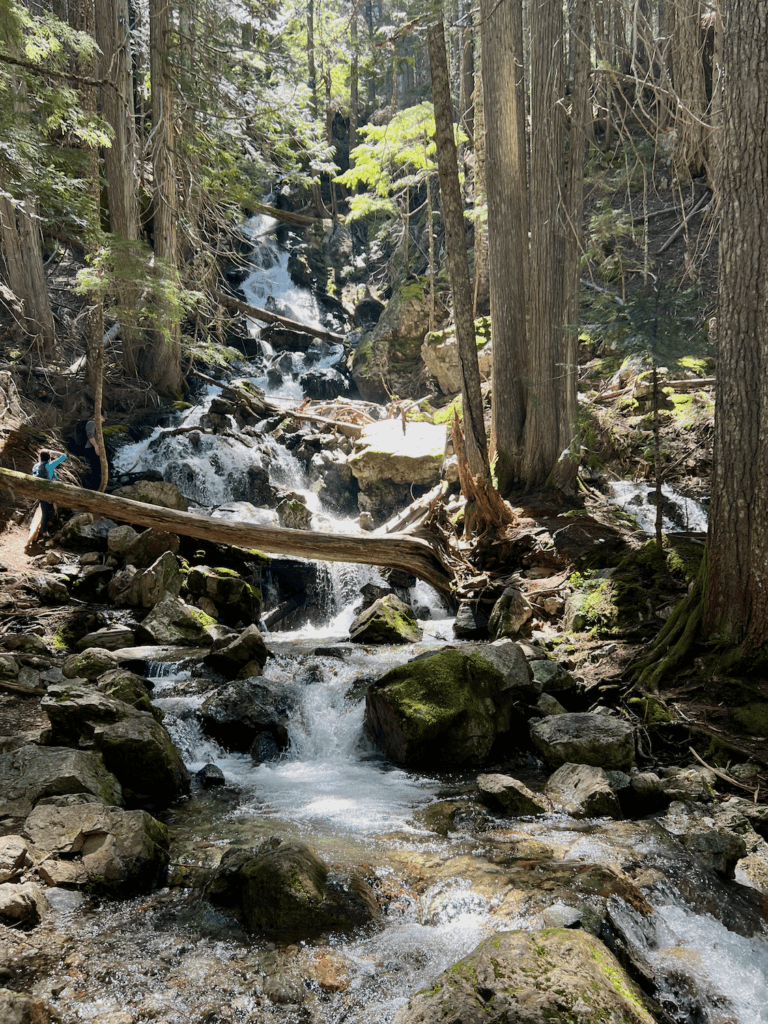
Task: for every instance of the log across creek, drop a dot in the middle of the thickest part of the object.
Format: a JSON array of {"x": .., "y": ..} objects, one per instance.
[{"x": 413, "y": 555}]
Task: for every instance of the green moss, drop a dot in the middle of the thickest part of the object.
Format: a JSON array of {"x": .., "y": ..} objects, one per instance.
[
  {"x": 65, "y": 638},
  {"x": 446, "y": 414},
  {"x": 118, "y": 428},
  {"x": 650, "y": 709},
  {"x": 684, "y": 560},
  {"x": 752, "y": 718}
]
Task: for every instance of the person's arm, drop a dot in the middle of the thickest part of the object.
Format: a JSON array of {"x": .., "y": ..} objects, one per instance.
[{"x": 57, "y": 462}]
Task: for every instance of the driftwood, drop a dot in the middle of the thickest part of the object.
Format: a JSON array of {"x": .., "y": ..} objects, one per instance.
[
  {"x": 413, "y": 555},
  {"x": 238, "y": 306},
  {"x": 299, "y": 220}
]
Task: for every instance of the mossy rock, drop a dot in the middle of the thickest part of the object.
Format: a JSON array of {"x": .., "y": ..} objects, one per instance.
[
  {"x": 650, "y": 710},
  {"x": 751, "y": 718},
  {"x": 388, "y": 621}
]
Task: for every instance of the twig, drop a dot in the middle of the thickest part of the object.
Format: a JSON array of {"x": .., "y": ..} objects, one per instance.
[
  {"x": 722, "y": 775},
  {"x": 698, "y": 208}
]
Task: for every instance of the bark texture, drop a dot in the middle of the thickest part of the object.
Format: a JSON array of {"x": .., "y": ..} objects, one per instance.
[{"x": 737, "y": 597}]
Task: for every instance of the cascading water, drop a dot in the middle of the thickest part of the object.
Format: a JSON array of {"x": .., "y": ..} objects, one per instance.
[{"x": 178, "y": 962}]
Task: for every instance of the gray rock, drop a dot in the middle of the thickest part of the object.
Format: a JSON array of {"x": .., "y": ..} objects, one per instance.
[
  {"x": 471, "y": 623},
  {"x": 715, "y": 848},
  {"x": 155, "y": 492},
  {"x": 89, "y": 664},
  {"x": 210, "y": 776},
  {"x": 549, "y": 705},
  {"x": 583, "y": 791},
  {"x": 553, "y": 676},
  {"x": 448, "y": 709},
  {"x": 388, "y": 621},
  {"x": 132, "y": 743},
  {"x": 293, "y": 513},
  {"x": 54, "y": 589},
  {"x": 120, "y": 540},
  {"x": 510, "y": 613},
  {"x": 691, "y": 784},
  {"x": 235, "y": 600},
  {"x": 14, "y": 857},
  {"x": 30, "y": 773},
  {"x": 21, "y": 906},
  {"x": 144, "y": 588},
  {"x": 172, "y": 621},
  {"x": 108, "y": 638},
  {"x": 26, "y": 643},
  {"x": 85, "y": 531},
  {"x": 523, "y": 977},
  {"x": 21, "y": 1008},
  {"x": 246, "y": 650},
  {"x": 505, "y": 794},
  {"x": 106, "y": 850},
  {"x": 149, "y": 546},
  {"x": 92, "y": 583},
  {"x": 240, "y": 714},
  {"x": 584, "y": 739}
]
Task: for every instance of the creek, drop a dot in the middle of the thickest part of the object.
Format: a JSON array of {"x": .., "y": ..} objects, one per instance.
[{"x": 698, "y": 940}]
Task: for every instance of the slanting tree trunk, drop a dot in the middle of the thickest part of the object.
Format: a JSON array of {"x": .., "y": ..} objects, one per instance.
[
  {"x": 411, "y": 554},
  {"x": 546, "y": 423},
  {"x": 506, "y": 188},
  {"x": 456, "y": 254},
  {"x": 160, "y": 360}
]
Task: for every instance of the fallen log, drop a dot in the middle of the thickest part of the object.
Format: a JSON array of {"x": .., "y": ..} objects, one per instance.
[
  {"x": 256, "y": 313},
  {"x": 415, "y": 556}
]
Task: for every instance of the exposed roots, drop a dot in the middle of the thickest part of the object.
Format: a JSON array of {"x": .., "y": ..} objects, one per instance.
[{"x": 486, "y": 509}]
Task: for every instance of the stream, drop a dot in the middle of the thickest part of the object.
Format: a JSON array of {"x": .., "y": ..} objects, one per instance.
[{"x": 173, "y": 957}]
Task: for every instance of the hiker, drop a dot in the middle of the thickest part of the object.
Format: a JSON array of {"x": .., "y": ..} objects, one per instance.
[
  {"x": 93, "y": 454},
  {"x": 45, "y": 469}
]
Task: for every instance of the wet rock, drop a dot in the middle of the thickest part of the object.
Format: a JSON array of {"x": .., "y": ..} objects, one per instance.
[
  {"x": 90, "y": 664},
  {"x": 388, "y": 621},
  {"x": 293, "y": 513},
  {"x": 108, "y": 638},
  {"x": 235, "y": 601},
  {"x": 531, "y": 978},
  {"x": 510, "y": 613},
  {"x": 243, "y": 713},
  {"x": 31, "y": 773},
  {"x": 91, "y": 583},
  {"x": 21, "y": 1008},
  {"x": 210, "y": 776},
  {"x": 448, "y": 709},
  {"x": 85, "y": 531},
  {"x": 288, "y": 891},
  {"x": 506, "y": 795},
  {"x": 14, "y": 857},
  {"x": 106, "y": 850},
  {"x": 336, "y": 484},
  {"x": 133, "y": 745},
  {"x": 715, "y": 848},
  {"x": 166, "y": 495},
  {"x": 583, "y": 791},
  {"x": 172, "y": 621},
  {"x": 471, "y": 623},
  {"x": 325, "y": 384},
  {"x": 584, "y": 739},
  {"x": 21, "y": 906},
  {"x": 245, "y": 651}
]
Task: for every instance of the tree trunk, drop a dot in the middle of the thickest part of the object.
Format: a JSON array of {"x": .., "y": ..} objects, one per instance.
[
  {"x": 311, "y": 69},
  {"x": 546, "y": 426},
  {"x": 456, "y": 254},
  {"x": 23, "y": 255},
  {"x": 736, "y": 610},
  {"x": 506, "y": 188},
  {"x": 160, "y": 360},
  {"x": 411, "y": 554},
  {"x": 354, "y": 80},
  {"x": 692, "y": 153}
]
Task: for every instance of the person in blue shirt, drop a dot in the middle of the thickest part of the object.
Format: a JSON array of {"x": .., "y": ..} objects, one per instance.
[{"x": 46, "y": 470}]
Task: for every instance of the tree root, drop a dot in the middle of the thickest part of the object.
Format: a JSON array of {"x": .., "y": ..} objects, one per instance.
[{"x": 673, "y": 642}]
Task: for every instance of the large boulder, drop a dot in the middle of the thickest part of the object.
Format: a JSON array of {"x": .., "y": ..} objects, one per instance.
[
  {"x": 172, "y": 621},
  {"x": 14, "y": 857},
  {"x": 149, "y": 546},
  {"x": 31, "y": 773},
  {"x": 87, "y": 532},
  {"x": 583, "y": 791},
  {"x": 387, "y": 360},
  {"x": 21, "y": 906},
  {"x": 234, "y": 600},
  {"x": 557, "y": 976},
  {"x": 89, "y": 664},
  {"x": 129, "y": 688},
  {"x": 392, "y": 458},
  {"x": 154, "y": 492},
  {"x": 144, "y": 588},
  {"x": 585, "y": 739},
  {"x": 134, "y": 746},
  {"x": 448, "y": 709},
  {"x": 510, "y": 613},
  {"x": 247, "y": 714},
  {"x": 387, "y": 621},
  {"x": 440, "y": 353},
  {"x": 106, "y": 850},
  {"x": 286, "y": 890},
  {"x": 246, "y": 652}
]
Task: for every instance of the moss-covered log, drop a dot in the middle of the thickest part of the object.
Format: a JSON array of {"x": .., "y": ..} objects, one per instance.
[{"x": 413, "y": 555}]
